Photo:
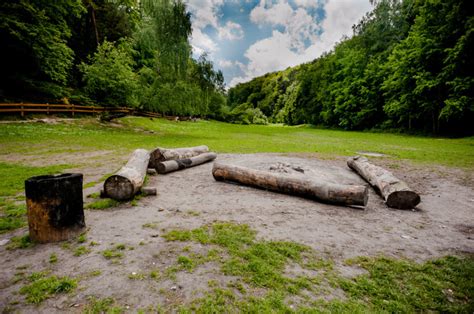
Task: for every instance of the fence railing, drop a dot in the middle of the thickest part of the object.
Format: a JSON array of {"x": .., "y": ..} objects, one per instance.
[{"x": 24, "y": 109}]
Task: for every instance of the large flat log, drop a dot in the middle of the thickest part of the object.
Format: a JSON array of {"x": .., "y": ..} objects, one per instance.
[
  {"x": 162, "y": 154},
  {"x": 396, "y": 193},
  {"x": 178, "y": 164},
  {"x": 306, "y": 187},
  {"x": 129, "y": 179}
]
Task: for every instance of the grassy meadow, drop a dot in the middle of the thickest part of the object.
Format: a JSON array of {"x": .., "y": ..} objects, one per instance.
[{"x": 389, "y": 285}]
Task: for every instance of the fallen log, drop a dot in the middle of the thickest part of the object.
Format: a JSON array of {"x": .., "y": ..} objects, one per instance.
[
  {"x": 148, "y": 191},
  {"x": 162, "y": 154},
  {"x": 178, "y": 164},
  {"x": 306, "y": 187},
  {"x": 129, "y": 179},
  {"x": 396, "y": 193},
  {"x": 55, "y": 207}
]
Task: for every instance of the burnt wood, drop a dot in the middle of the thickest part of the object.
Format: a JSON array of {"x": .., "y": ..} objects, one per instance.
[{"x": 55, "y": 207}]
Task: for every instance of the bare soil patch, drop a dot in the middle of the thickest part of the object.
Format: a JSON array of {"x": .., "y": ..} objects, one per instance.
[{"x": 442, "y": 224}]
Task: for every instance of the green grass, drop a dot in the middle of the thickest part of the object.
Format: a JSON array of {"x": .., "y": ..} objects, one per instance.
[
  {"x": 20, "y": 242},
  {"x": 15, "y": 175},
  {"x": 42, "y": 287},
  {"x": 89, "y": 135},
  {"x": 98, "y": 306},
  {"x": 392, "y": 286},
  {"x": 115, "y": 252},
  {"x": 12, "y": 215},
  {"x": 102, "y": 204},
  {"x": 53, "y": 258},
  {"x": 81, "y": 250}
]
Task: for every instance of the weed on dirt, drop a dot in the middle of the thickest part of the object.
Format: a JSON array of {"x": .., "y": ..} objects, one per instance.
[
  {"x": 442, "y": 285},
  {"x": 42, "y": 287}
]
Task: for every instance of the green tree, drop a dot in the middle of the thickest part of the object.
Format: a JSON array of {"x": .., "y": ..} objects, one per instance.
[
  {"x": 109, "y": 78},
  {"x": 33, "y": 37}
]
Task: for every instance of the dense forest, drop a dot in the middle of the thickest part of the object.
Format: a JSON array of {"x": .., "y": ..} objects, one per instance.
[
  {"x": 106, "y": 52},
  {"x": 408, "y": 66}
]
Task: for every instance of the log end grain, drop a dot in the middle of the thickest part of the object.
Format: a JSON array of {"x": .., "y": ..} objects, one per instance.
[
  {"x": 119, "y": 188},
  {"x": 403, "y": 200}
]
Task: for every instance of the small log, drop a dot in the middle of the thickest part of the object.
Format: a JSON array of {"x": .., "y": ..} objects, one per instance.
[
  {"x": 306, "y": 187},
  {"x": 55, "y": 207},
  {"x": 178, "y": 164},
  {"x": 162, "y": 154},
  {"x": 129, "y": 179},
  {"x": 395, "y": 192},
  {"x": 148, "y": 191}
]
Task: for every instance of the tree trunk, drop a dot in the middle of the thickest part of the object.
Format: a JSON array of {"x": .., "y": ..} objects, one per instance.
[
  {"x": 55, "y": 207},
  {"x": 129, "y": 179},
  {"x": 178, "y": 164},
  {"x": 162, "y": 154},
  {"x": 396, "y": 193},
  {"x": 307, "y": 187}
]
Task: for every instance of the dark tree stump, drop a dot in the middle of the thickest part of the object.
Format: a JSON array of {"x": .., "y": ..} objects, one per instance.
[{"x": 55, "y": 207}]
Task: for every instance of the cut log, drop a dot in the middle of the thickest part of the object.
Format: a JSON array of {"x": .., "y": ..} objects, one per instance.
[
  {"x": 178, "y": 164},
  {"x": 396, "y": 193},
  {"x": 148, "y": 191},
  {"x": 129, "y": 179},
  {"x": 55, "y": 207},
  {"x": 162, "y": 154},
  {"x": 306, "y": 187}
]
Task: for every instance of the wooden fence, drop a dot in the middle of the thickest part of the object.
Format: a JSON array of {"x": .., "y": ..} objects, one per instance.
[{"x": 72, "y": 109}]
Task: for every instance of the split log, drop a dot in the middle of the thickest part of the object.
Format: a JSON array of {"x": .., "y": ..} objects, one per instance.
[
  {"x": 162, "y": 154},
  {"x": 129, "y": 179},
  {"x": 178, "y": 164},
  {"x": 55, "y": 207},
  {"x": 306, "y": 187},
  {"x": 396, "y": 193}
]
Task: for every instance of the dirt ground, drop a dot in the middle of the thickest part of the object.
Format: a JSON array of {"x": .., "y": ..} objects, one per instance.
[{"x": 442, "y": 224}]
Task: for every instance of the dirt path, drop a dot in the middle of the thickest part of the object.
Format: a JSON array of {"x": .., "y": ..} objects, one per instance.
[{"x": 442, "y": 224}]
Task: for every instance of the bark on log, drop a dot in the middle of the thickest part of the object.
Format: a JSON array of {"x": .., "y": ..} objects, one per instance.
[
  {"x": 55, "y": 207},
  {"x": 178, "y": 164},
  {"x": 396, "y": 193},
  {"x": 148, "y": 191},
  {"x": 306, "y": 187},
  {"x": 129, "y": 179},
  {"x": 162, "y": 154}
]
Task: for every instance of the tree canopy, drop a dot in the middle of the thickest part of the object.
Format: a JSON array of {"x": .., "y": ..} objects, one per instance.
[{"x": 409, "y": 65}]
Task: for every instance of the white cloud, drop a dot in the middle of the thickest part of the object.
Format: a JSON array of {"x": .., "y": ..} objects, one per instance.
[
  {"x": 202, "y": 43},
  {"x": 290, "y": 47},
  {"x": 225, "y": 63},
  {"x": 232, "y": 64},
  {"x": 231, "y": 31},
  {"x": 275, "y": 14},
  {"x": 340, "y": 16},
  {"x": 204, "y": 13},
  {"x": 307, "y": 3}
]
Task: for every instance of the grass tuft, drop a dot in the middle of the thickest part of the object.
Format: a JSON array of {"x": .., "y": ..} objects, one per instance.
[{"x": 42, "y": 287}]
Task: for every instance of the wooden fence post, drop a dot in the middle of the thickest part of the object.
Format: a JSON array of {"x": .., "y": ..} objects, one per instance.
[
  {"x": 22, "y": 112},
  {"x": 47, "y": 108},
  {"x": 73, "y": 110}
]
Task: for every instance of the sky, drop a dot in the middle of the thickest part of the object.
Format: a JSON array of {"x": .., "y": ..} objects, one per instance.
[{"x": 248, "y": 38}]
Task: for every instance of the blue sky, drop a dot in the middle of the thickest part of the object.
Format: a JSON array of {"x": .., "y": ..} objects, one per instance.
[{"x": 248, "y": 38}]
